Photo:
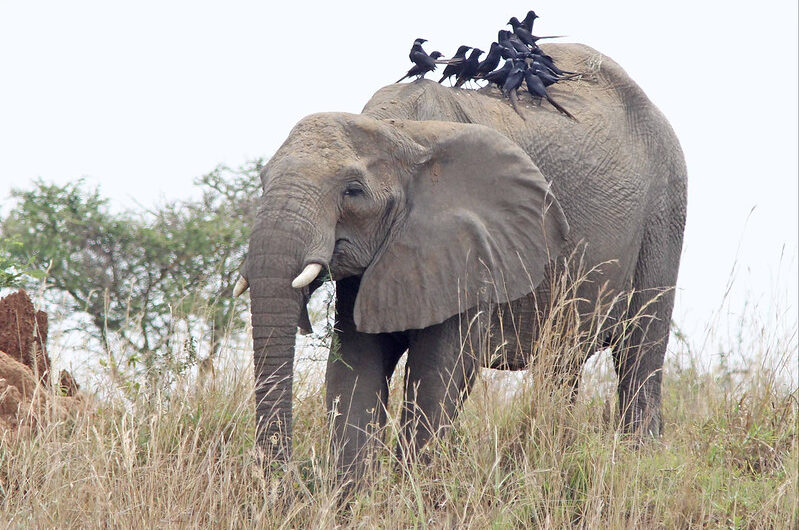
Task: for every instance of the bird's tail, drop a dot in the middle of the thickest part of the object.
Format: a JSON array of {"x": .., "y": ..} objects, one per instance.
[
  {"x": 560, "y": 109},
  {"x": 401, "y": 78},
  {"x": 514, "y": 99},
  {"x": 558, "y": 71}
]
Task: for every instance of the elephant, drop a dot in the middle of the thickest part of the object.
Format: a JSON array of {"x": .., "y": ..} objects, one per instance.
[{"x": 436, "y": 205}]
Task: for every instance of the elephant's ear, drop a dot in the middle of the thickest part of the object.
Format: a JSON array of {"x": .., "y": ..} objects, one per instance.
[{"x": 481, "y": 226}]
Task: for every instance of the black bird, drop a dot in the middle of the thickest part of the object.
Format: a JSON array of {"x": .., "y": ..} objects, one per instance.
[
  {"x": 508, "y": 52},
  {"x": 455, "y": 64},
  {"x": 509, "y": 40},
  {"x": 515, "y": 78},
  {"x": 505, "y": 46},
  {"x": 547, "y": 61},
  {"x": 417, "y": 47},
  {"x": 491, "y": 61},
  {"x": 547, "y": 76},
  {"x": 469, "y": 69},
  {"x": 544, "y": 73},
  {"x": 528, "y": 20},
  {"x": 539, "y": 52},
  {"x": 423, "y": 66},
  {"x": 525, "y": 36},
  {"x": 418, "y": 56},
  {"x": 498, "y": 77},
  {"x": 521, "y": 32},
  {"x": 536, "y": 88},
  {"x": 513, "y": 82}
]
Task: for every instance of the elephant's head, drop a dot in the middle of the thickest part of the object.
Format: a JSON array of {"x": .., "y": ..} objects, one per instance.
[{"x": 435, "y": 217}]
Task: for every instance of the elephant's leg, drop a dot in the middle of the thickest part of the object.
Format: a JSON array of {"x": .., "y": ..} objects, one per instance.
[
  {"x": 638, "y": 358},
  {"x": 441, "y": 367},
  {"x": 358, "y": 371}
]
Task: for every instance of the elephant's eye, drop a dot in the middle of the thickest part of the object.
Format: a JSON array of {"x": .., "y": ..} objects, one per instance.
[{"x": 353, "y": 189}]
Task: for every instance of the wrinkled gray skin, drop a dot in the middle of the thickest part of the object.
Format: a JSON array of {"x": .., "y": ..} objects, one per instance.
[{"x": 435, "y": 202}]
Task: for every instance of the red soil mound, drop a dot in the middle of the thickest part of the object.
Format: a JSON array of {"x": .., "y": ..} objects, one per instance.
[
  {"x": 23, "y": 333},
  {"x": 24, "y": 367}
]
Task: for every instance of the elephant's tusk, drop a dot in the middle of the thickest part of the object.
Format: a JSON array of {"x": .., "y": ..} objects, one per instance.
[
  {"x": 241, "y": 285},
  {"x": 308, "y": 274}
]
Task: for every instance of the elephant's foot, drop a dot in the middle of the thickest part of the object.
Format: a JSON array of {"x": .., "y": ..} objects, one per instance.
[{"x": 640, "y": 413}]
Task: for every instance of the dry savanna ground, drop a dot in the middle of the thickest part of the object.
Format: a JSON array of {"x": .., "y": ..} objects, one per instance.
[{"x": 517, "y": 457}]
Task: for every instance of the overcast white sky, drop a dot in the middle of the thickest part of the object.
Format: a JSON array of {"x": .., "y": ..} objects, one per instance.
[{"x": 143, "y": 97}]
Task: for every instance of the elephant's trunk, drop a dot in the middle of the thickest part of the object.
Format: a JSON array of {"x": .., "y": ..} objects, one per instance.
[
  {"x": 275, "y": 309},
  {"x": 279, "y": 250}
]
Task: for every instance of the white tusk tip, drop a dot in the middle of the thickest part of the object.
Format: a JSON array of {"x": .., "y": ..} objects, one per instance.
[
  {"x": 241, "y": 285},
  {"x": 307, "y": 275}
]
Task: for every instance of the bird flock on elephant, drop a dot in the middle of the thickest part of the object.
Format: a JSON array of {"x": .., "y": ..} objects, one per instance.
[{"x": 525, "y": 63}]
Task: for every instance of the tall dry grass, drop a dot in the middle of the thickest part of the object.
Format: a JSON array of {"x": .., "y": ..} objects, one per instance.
[{"x": 516, "y": 457}]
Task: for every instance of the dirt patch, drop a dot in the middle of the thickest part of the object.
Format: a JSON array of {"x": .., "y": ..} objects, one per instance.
[{"x": 26, "y": 397}]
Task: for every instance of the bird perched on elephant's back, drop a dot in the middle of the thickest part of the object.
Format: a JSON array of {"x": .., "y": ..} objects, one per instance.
[
  {"x": 469, "y": 69},
  {"x": 425, "y": 63},
  {"x": 456, "y": 63},
  {"x": 435, "y": 202}
]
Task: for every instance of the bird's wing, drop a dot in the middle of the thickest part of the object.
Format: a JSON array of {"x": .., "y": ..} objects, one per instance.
[
  {"x": 420, "y": 58},
  {"x": 524, "y": 35}
]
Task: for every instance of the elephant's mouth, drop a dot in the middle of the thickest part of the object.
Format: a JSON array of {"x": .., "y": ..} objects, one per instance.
[
  {"x": 338, "y": 249},
  {"x": 344, "y": 262},
  {"x": 342, "y": 247}
]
